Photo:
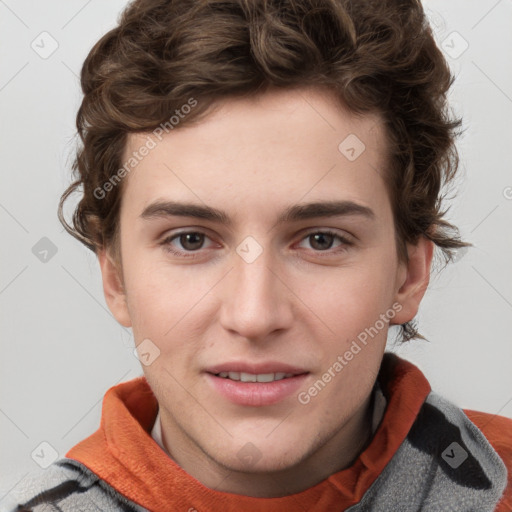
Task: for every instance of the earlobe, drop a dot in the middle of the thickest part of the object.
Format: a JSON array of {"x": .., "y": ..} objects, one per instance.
[
  {"x": 413, "y": 279},
  {"x": 113, "y": 288}
]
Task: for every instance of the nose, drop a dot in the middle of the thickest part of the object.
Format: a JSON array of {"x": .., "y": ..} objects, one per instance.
[{"x": 256, "y": 300}]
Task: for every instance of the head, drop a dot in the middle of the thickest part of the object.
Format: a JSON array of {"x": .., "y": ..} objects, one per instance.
[{"x": 249, "y": 112}]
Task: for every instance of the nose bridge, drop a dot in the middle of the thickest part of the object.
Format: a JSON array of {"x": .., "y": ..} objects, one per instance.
[{"x": 255, "y": 301}]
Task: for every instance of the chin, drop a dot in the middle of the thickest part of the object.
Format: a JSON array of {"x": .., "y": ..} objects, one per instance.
[{"x": 260, "y": 456}]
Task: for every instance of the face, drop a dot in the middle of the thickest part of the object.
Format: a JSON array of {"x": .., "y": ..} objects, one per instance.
[{"x": 260, "y": 241}]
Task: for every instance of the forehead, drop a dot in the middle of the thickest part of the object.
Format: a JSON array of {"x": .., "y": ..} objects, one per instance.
[{"x": 278, "y": 147}]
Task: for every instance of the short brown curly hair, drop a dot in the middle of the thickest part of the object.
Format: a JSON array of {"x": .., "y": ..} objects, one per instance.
[{"x": 374, "y": 55}]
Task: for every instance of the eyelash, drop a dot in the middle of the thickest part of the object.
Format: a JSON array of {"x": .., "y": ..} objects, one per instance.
[{"x": 194, "y": 254}]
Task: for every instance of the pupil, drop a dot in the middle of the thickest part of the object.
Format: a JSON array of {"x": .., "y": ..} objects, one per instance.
[
  {"x": 188, "y": 239},
  {"x": 321, "y": 237}
]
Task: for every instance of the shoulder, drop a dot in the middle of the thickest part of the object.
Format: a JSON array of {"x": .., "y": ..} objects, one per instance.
[
  {"x": 67, "y": 485},
  {"x": 498, "y": 431}
]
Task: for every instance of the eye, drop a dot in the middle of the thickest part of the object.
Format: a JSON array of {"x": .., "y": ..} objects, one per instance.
[
  {"x": 188, "y": 244},
  {"x": 322, "y": 241},
  {"x": 190, "y": 241}
]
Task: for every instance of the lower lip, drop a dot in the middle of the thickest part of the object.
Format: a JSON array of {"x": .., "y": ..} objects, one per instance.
[{"x": 256, "y": 393}]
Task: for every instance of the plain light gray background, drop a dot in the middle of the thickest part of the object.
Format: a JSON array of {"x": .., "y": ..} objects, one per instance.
[{"x": 62, "y": 349}]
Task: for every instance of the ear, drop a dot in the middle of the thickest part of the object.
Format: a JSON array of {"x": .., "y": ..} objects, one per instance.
[
  {"x": 113, "y": 287},
  {"x": 412, "y": 279}
]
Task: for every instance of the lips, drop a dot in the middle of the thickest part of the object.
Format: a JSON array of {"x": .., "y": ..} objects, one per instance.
[
  {"x": 255, "y": 384},
  {"x": 256, "y": 394}
]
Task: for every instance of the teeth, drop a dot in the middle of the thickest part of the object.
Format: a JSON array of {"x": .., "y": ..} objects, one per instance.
[
  {"x": 265, "y": 377},
  {"x": 248, "y": 377},
  {"x": 251, "y": 377}
]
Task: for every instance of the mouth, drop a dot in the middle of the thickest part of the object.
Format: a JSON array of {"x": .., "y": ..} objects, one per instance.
[
  {"x": 254, "y": 377},
  {"x": 255, "y": 372},
  {"x": 252, "y": 386}
]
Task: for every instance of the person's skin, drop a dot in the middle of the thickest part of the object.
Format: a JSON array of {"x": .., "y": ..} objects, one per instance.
[{"x": 300, "y": 302}]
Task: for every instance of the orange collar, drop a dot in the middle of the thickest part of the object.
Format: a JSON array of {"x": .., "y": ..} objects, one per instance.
[{"x": 123, "y": 454}]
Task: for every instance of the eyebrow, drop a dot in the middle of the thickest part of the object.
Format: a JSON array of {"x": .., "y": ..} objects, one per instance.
[{"x": 294, "y": 213}]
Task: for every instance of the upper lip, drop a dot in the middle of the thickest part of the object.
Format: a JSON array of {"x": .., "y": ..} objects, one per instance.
[{"x": 255, "y": 368}]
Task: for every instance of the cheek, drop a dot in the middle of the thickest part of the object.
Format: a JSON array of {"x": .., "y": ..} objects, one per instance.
[
  {"x": 350, "y": 299},
  {"x": 155, "y": 301},
  {"x": 167, "y": 305}
]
